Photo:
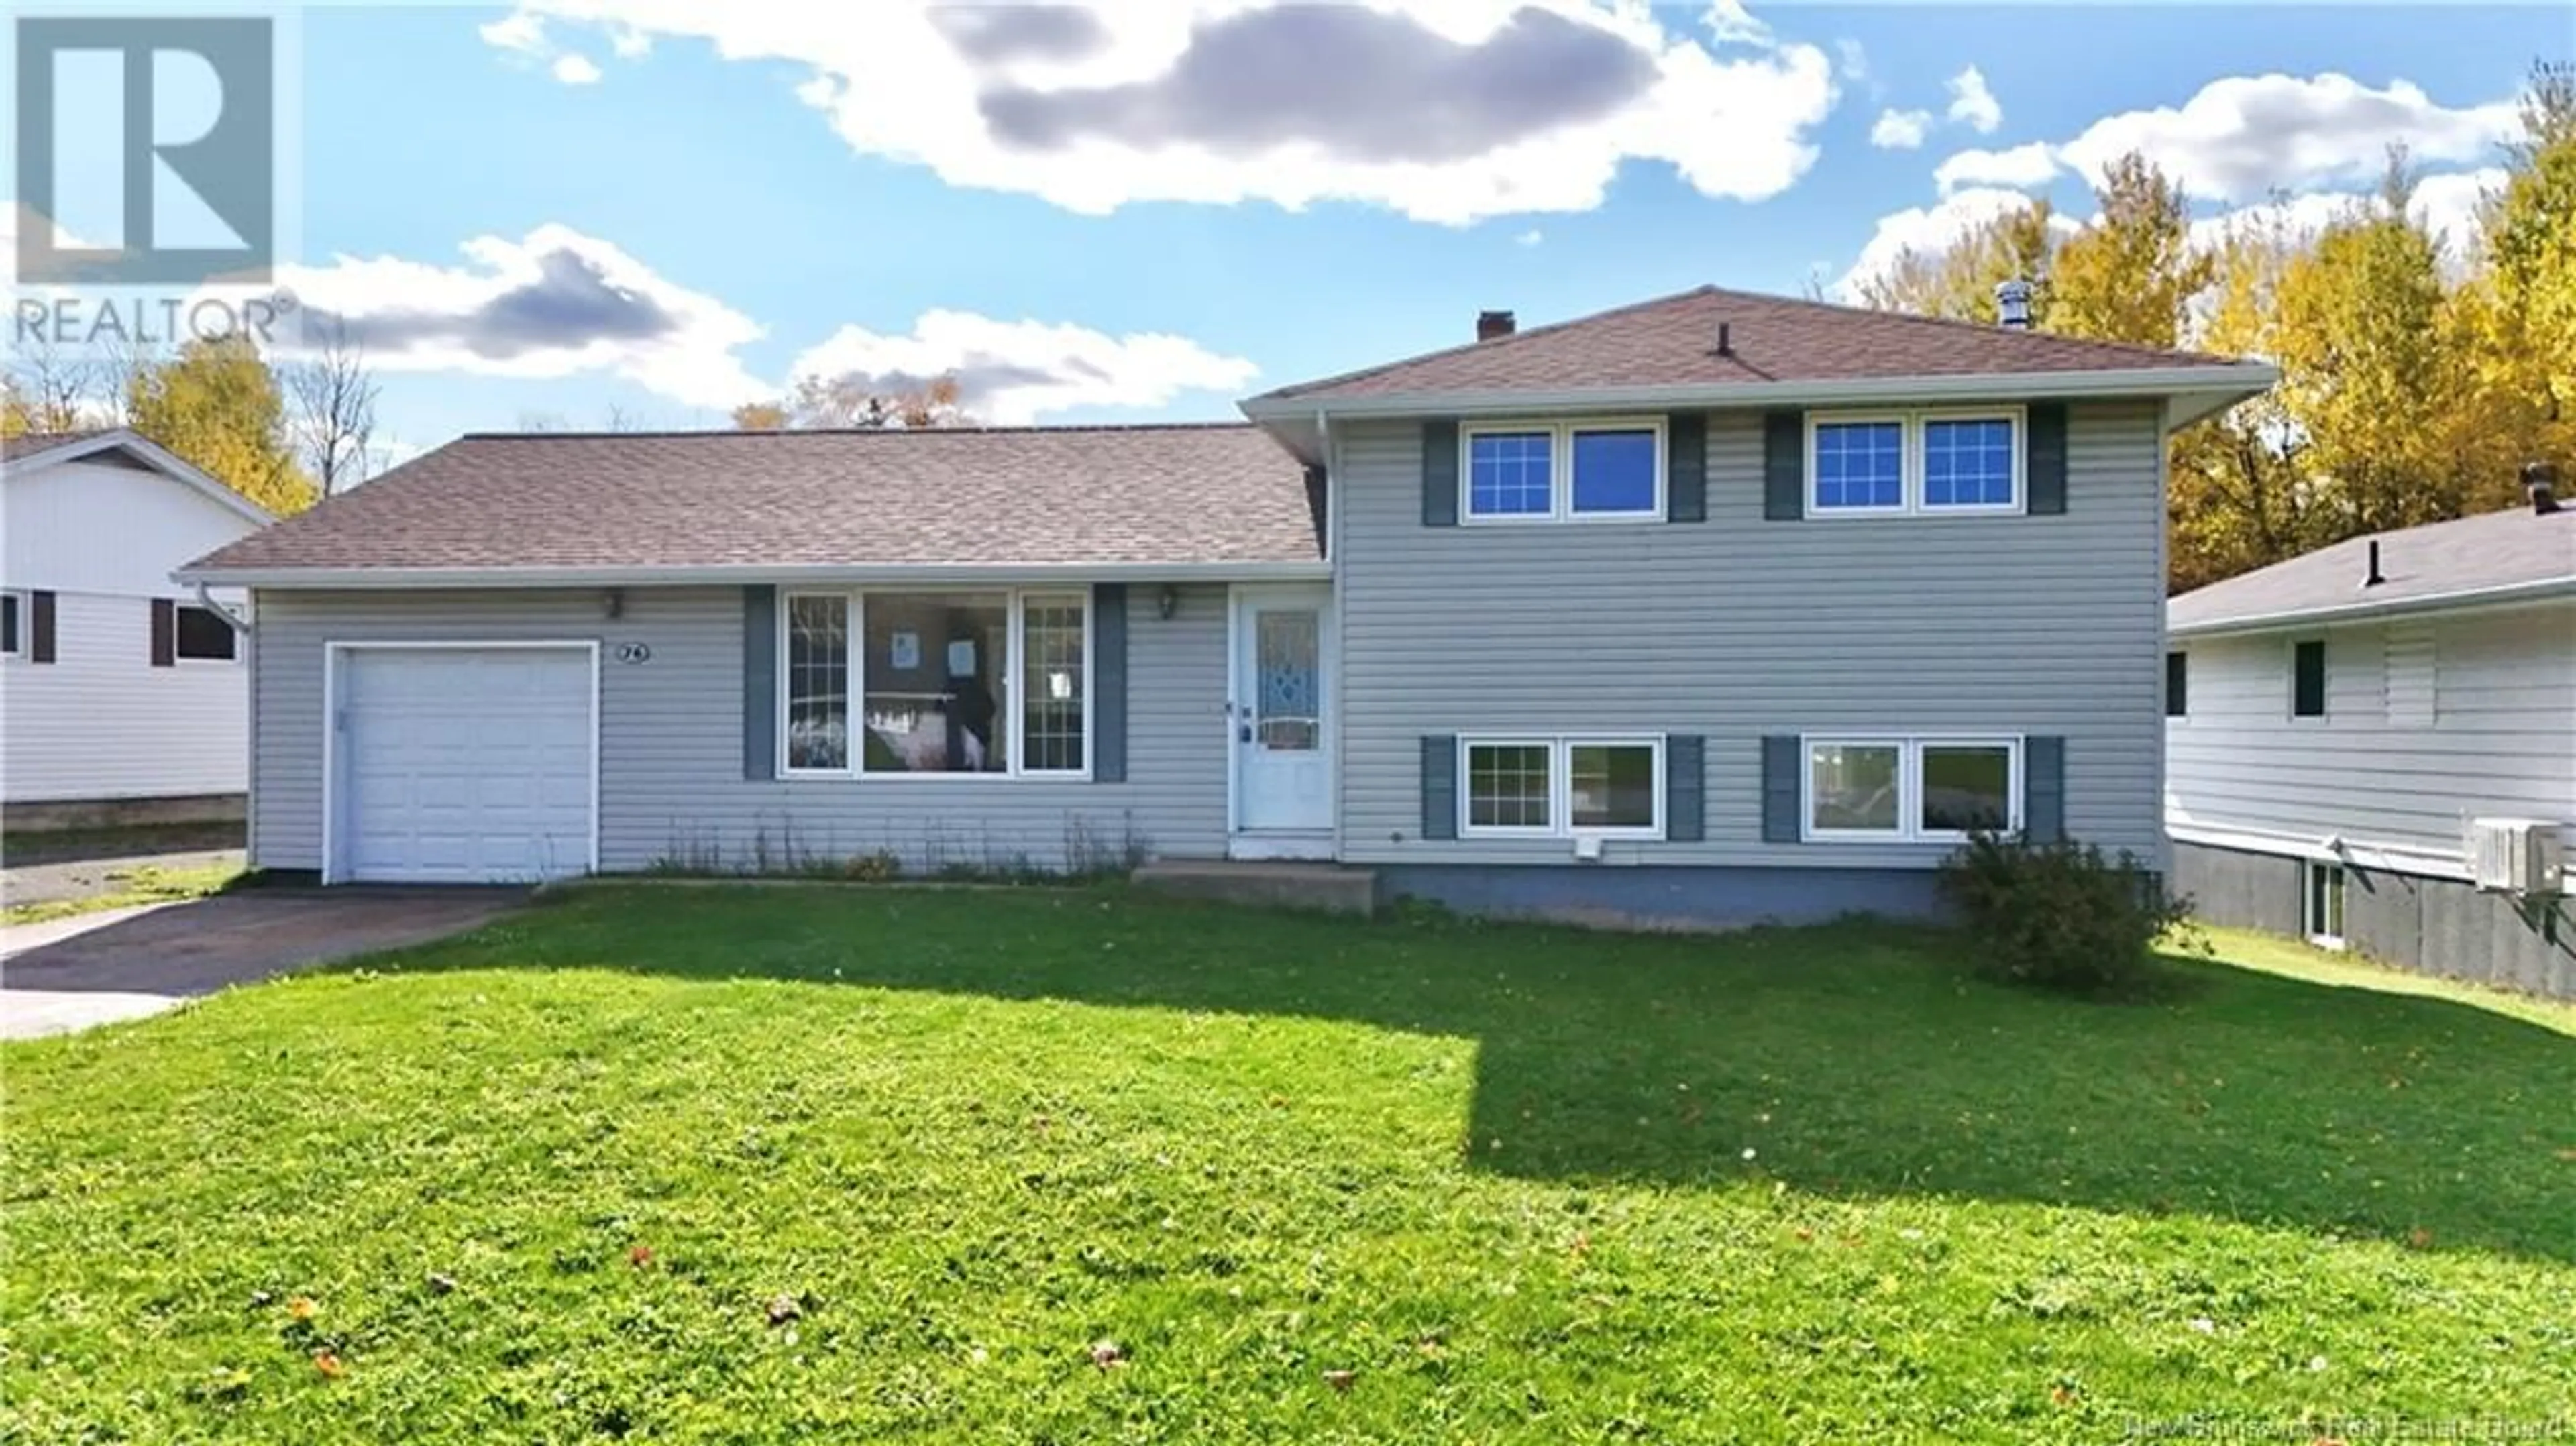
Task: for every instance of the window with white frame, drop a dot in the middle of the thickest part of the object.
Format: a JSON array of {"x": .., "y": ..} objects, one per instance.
[
  {"x": 203, "y": 636},
  {"x": 13, "y": 624},
  {"x": 1897, "y": 790},
  {"x": 994, "y": 684},
  {"x": 1563, "y": 471},
  {"x": 1922, "y": 462},
  {"x": 2322, "y": 913},
  {"x": 1562, "y": 786}
]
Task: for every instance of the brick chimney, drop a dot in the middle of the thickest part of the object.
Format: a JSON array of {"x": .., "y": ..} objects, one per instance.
[{"x": 1492, "y": 324}]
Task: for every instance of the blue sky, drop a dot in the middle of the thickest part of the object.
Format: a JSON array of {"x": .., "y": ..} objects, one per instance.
[{"x": 1092, "y": 219}]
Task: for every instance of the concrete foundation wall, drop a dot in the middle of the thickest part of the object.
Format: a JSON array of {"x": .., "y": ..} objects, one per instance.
[
  {"x": 1667, "y": 897},
  {"x": 2427, "y": 925}
]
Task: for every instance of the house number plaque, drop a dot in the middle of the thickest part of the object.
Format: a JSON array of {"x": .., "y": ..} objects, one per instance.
[{"x": 634, "y": 652}]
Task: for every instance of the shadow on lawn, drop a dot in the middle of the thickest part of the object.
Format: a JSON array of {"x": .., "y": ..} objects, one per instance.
[{"x": 1853, "y": 1060}]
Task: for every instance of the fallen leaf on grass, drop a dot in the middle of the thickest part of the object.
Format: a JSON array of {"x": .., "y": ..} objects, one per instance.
[
  {"x": 1340, "y": 1380},
  {"x": 302, "y": 1308},
  {"x": 328, "y": 1363},
  {"x": 442, "y": 1285},
  {"x": 639, "y": 1256},
  {"x": 784, "y": 1309},
  {"x": 1106, "y": 1354}
]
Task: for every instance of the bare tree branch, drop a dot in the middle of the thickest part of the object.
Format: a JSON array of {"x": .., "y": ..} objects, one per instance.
[{"x": 334, "y": 411}]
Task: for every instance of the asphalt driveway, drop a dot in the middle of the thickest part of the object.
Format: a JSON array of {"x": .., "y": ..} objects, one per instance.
[{"x": 125, "y": 963}]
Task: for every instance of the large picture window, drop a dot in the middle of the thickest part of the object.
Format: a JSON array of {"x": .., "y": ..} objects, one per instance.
[
  {"x": 1898, "y": 790},
  {"x": 992, "y": 684}
]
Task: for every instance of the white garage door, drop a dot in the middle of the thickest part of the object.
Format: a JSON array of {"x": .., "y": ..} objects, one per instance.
[{"x": 464, "y": 765}]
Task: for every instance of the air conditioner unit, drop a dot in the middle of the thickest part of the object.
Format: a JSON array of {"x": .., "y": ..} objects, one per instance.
[{"x": 2514, "y": 855}]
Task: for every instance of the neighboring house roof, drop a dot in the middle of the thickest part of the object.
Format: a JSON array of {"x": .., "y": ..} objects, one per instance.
[
  {"x": 2495, "y": 557},
  {"x": 1773, "y": 344},
  {"x": 1159, "y": 500},
  {"x": 50, "y": 449}
]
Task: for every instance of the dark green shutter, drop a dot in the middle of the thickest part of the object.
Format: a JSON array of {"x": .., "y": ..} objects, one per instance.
[
  {"x": 1784, "y": 466},
  {"x": 2044, "y": 458},
  {"x": 2043, "y": 789},
  {"x": 1440, "y": 474},
  {"x": 165, "y": 633},
  {"x": 1440, "y": 785},
  {"x": 1686, "y": 467},
  {"x": 759, "y": 682},
  {"x": 40, "y": 626},
  {"x": 1780, "y": 791},
  {"x": 1109, "y": 682},
  {"x": 2177, "y": 683},
  {"x": 1685, "y": 787}
]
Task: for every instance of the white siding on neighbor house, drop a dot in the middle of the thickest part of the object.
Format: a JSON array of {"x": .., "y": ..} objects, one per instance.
[
  {"x": 100, "y": 722},
  {"x": 2428, "y": 723},
  {"x": 671, "y": 779},
  {"x": 1736, "y": 628}
]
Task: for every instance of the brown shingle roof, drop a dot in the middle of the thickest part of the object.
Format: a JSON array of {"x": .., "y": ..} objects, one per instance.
[
  {"x": 966, "y": 496},
  {"x": 1672, "y": 342}
]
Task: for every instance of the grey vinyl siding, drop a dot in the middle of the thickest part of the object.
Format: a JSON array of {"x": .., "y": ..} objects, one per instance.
[
  {"x": 671, "y": 754},
  {"x": 1743, "y": 627},
  {"x": 2427, "y": 722}
]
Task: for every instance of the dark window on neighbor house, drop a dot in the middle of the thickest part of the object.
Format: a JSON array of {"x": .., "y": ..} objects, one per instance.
[
  {"x": 204, "y": 636},
  {"x": 12, "y": 639},
  {"x": 2308, "y": 679},
  {"x": 2177, "y": 684}
]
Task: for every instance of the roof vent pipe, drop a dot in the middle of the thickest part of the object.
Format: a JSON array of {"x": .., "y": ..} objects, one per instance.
[
  {"x": 1725, "y": 339},
  {"x": 2012, "y": 304},
  {"x": 1493, "y": 324},
  {"x": 2540, "y": 482},
  {"x": 2375, "y": 579}
]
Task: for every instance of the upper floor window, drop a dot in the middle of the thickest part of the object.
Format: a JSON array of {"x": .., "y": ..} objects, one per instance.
[
  {"x": 1564, "y": 471},
  {"x": 1927, "y": 462}
]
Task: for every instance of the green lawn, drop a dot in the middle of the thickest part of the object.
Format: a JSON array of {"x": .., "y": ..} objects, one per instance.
[{"x": 551, "y": 1182}]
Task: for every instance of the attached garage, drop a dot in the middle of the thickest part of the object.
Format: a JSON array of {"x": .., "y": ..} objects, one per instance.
[{"x": 463, "y": 763}]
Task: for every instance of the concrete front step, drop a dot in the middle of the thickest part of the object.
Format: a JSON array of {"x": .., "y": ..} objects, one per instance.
[{"x": 1326, "y": 888}]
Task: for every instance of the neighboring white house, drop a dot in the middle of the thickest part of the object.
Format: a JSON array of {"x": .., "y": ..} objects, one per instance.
[
  {"x": 121, "y": 695},
  {"x": 2346, "y": 730}
]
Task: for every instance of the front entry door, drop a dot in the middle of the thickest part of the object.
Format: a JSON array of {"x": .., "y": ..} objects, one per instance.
[{"x": 1282, "y": 738}]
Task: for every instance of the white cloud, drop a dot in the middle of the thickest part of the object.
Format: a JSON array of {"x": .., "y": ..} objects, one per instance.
[
  {"x": 576, "y": 70},
  {"x": 2020, "y": 167},
  {"x": 1932, "y": 228},
  {"x": 2446, "y": 204},
  {"x": 1012, "y": 371},
  {"x": 523, "y": 32},
  {"x": 2244, "y": 136},
  {"x": 1853, "y": 59},
  {"x": 1530, "y": 237},
  {"x": 553, "y": 304},
  {"x": 1450, "y": 114},
  {"x": 1972, "y": 102},
  {"x": 1900, "y": 130}
]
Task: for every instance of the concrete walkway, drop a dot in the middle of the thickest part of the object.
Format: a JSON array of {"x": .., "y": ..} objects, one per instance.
[{"x": 125, "y": 963}]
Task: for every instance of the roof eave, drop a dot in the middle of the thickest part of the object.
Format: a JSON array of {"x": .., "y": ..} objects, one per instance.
[
  {"x": 161, "y": 459},
  {"x": 730, "y": 575},
  {"x": 2213, "y": 387},
  {"x": 2508, "y": 595}
]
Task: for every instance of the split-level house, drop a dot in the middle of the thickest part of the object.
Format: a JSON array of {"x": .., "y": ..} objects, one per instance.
[
  {"x": 2374, "y": 746},
  {"x": 1715, "y": 607}
]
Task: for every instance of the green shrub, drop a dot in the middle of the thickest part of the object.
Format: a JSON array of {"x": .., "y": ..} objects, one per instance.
[{"x": 2059, "y": 915}]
